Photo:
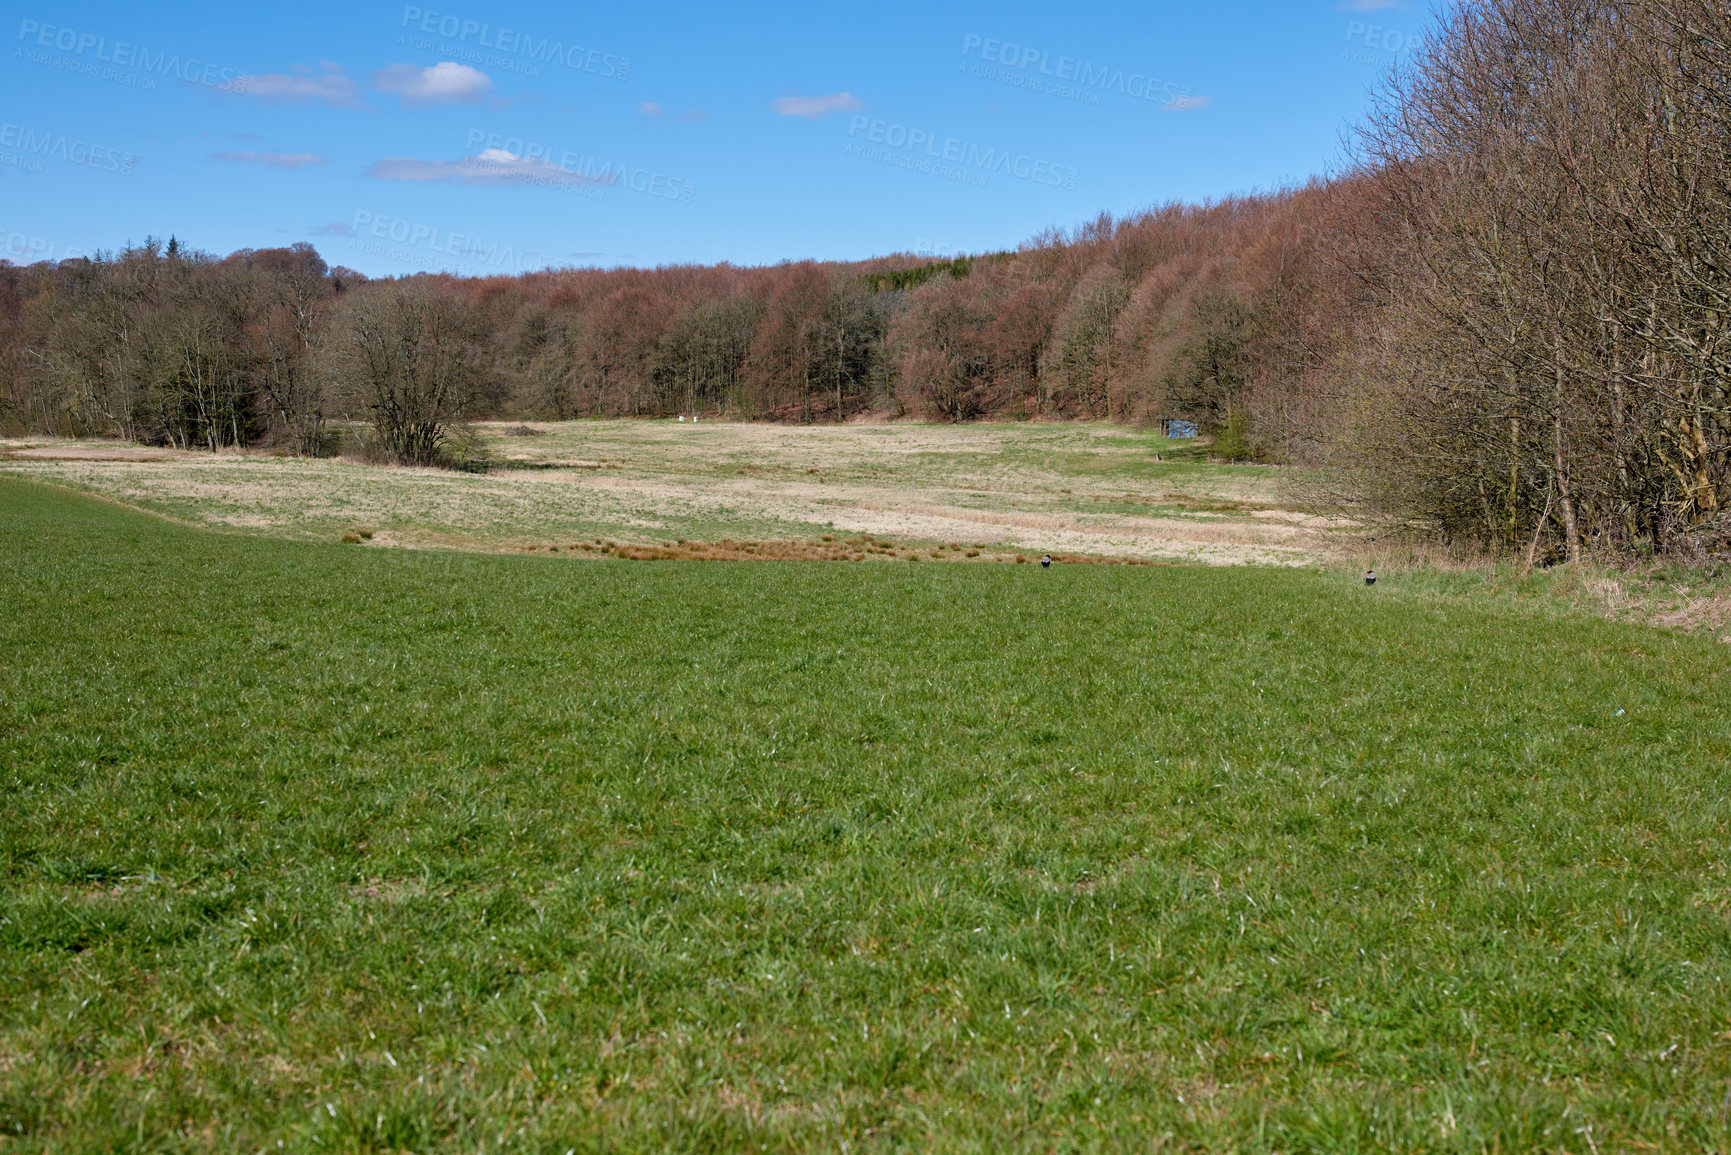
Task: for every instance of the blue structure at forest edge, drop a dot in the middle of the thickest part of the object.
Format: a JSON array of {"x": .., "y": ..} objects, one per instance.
[{"x": 1175, "y": 429}]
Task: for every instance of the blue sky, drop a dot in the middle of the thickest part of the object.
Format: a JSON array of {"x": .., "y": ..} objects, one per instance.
[{"x": 480, "y": 137}]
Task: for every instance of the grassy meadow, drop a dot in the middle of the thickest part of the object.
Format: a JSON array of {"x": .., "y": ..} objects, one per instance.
[
  {"x": 310, "y": 846},
  {"x": 1080, "y": 488}
]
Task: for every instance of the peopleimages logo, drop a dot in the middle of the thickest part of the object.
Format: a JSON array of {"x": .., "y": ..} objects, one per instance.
[
  {"x": 969, "y": 159},
  {"x": 532, "y": 162},
  {"x": 24, "y": 249},
  {"x": 512, "y": 44},
  {"x": 1066, "y": 76},
  {"x": 55, "y": 146},
  {"x": 924, "y": 248},
  {"x": 1390, "y": 40},
  {"x": 90, "y": 50},
  {"x": 410, "y": 236}
]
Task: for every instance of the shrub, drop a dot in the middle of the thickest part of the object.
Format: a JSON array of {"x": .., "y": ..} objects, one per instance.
[{"x": 1232, "y": 442}]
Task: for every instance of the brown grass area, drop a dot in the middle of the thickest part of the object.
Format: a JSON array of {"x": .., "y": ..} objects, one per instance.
[
  {"x": 1712, "y": 613},
  {"x": 864, "y": 547},
  {"x": 1001, "y": 490},
  {"x": 91, "y": 453},
  {"x": 1168, "y": 528}
]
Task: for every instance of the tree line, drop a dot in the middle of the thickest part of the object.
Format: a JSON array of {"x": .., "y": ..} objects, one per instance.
[
  {"x": 1549, "y": 217},
  {"x": 1506, "y": 321},
  {"x": 1122, "y": 319}
]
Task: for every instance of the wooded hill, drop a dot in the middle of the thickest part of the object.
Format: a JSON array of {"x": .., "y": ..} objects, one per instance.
[
  {"x": 1505, "y": 322},
  {"x": 1183, "y": 311}
]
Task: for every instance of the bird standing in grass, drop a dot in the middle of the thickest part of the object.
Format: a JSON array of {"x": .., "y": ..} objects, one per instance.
[
  {"x": 1369, "y": 577},
  {"x": 1046, "y": 562}
]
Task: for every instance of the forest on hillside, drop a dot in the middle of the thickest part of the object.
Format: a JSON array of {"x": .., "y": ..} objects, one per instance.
[{"x": 1506, "y": 322}]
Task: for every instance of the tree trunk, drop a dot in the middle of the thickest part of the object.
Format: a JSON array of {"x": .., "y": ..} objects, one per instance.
[{"x": 1559, "y": 454}]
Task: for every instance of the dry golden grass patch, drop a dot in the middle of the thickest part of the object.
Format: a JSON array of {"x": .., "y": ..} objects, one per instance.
[
  {"x": 1709, "y": 613},
  {"x": 1001, "y": 490},
  {"x": 76, "y": 452}
]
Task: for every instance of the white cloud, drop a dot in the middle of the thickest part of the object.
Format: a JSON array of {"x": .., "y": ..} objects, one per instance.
[
  {"x": 443, "y": 83},
  {"x": 493, "y": 166},
  {"x": 272, "y": 159},
  {"x": 334, "y": 229},
  {"x": 816, "y": 107},
  {"x": 1187, "y": 103},
  {"x": 331, "y": 85},
  {"x": 690, "y": 115}
]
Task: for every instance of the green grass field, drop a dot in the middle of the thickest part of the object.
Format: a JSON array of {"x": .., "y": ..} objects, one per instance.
[{"x": 318, "y": 847}]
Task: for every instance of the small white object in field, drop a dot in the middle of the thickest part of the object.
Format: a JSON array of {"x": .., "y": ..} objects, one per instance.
[
  {"x": 1046, "y": 562},
  {"x": 1369, "y": 577}
]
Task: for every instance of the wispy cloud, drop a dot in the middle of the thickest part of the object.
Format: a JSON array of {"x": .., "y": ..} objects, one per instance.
[
  {"x": 1188, "y": 103},
  {"x": 690, "y": 115},
  {"x": 333, "y": 229},
  {"x": 493, "y": 166},
  {"x": 331, "y": 85},
  {"x": 272, "y": 159},
  {"x": 816, "y": 107},
  {"x": 446, "y": 82}
]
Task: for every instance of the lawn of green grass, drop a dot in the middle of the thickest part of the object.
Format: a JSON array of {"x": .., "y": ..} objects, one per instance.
[{"x": 335, "y": 848}]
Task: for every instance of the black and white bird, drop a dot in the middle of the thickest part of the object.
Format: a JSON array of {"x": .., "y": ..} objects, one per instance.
[
  {"x": 1369, "y": 577},
  {"x": 1046, "y": 562}
]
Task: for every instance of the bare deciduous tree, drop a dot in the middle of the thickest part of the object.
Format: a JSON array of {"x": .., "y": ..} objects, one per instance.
[{"x": 402, "y": 357}]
